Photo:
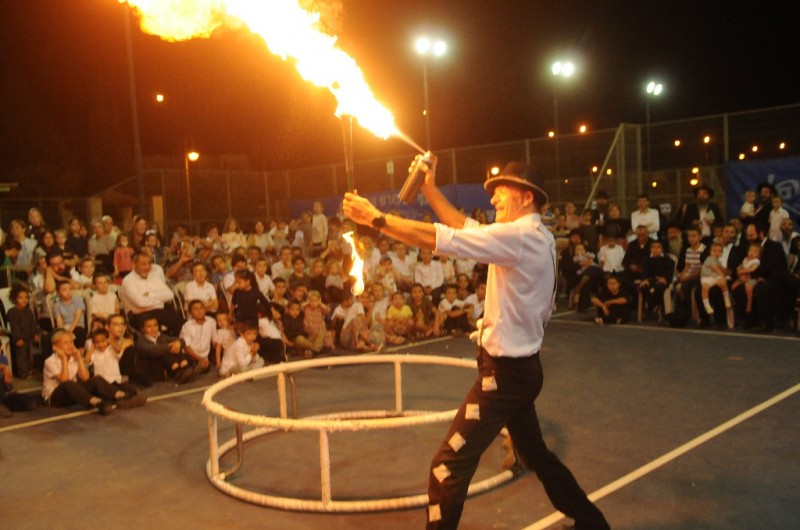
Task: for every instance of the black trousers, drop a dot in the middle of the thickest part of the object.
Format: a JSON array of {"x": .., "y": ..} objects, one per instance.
[
  {"x": 80, "y": 392},
  {"x": 503, "y": 394}
]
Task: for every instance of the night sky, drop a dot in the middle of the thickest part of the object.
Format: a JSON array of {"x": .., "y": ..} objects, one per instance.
[{"x": 66, "y": 114}]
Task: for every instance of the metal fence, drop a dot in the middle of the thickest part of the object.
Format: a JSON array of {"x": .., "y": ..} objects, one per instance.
[{"x": 676, "y": 153}]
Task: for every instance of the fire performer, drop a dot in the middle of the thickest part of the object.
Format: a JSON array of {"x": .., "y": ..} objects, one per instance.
[{"x": 520, "y": 292}]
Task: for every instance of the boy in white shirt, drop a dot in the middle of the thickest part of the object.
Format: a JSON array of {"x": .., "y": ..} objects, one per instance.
[
  {"x": 611, "y": 256},
  {"x": 776, "y": 215},
  {"x": 198, "y": 333},
  {"x": 263, "y": 280},
  {"x": 201, "y": 289},
  {"x": 67, "y": 381},
  {"x": 475, "y": 301},
  {"x": 454, "y": 314},
  {"x": 84, "y": 273},
  {"x": 242, "y": 356},
  {"x": 103, "y": 302},
  {"x": 105, "y": 363}
]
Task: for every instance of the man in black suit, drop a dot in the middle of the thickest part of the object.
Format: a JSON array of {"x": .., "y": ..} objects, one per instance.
[
  {"x": 774, "y": 285},
  {"x": 701, "y": 214},
  {"x": 765, "y": 192}
]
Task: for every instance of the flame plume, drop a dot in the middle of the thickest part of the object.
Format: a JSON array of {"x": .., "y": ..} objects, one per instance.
[
  {"x": 357, "y": 270},
  {"x": 289, "y": 31}
]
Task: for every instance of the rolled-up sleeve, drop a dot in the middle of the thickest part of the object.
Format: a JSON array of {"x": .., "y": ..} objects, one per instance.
[{"x": 499, "y": 243}]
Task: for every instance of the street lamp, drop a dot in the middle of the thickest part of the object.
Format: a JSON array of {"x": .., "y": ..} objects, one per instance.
[
  {"x": 425, "y": 47},
  {"x": 189, "y": 155},
  {"x": 653, "y": 89},
  {"x": 560, "y": 69}
]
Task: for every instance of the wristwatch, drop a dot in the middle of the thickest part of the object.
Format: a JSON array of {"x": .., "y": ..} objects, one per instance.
[{"x": 379, "y": 222}]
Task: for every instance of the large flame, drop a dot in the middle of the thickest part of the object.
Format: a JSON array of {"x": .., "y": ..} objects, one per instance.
[
  {"x": 357, "y": 271},
  {"x": 289, "y": 31}
]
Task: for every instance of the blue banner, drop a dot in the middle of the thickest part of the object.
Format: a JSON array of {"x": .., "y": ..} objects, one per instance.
[
  {"x": 465, "y": 196},
  {"x": 783, "y": 173}
]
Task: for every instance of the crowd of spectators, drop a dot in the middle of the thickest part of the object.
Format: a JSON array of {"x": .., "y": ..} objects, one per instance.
[
  {"x": 696, "y": 266},
  {"x": 229, "y": 299},
  {"x": 156, "y": 307}
]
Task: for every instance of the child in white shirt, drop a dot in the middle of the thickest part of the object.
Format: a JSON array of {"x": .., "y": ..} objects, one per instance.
[
  {"x": 223, "y": 338},
  {"x": 776, "y": 215},
  {"x": 271, "y": 347},
  {"x": 744, "y": 273},
  {"x": 454, "y": 314},
  {"x": 242, "y": 355},
  {"x": 198, "y": 333},
  {"x": 200, "y": 289},
  {"x": 103, "y": 302},
  {"x": 748, "y": 208}
]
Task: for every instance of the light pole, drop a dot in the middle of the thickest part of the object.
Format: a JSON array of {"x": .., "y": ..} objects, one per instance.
[
  {"x": 560, "y": 69},
  {"x": 425, "y": 47},
  {"x": 652, "y": 90},
  {"x": 189, "y": 155}
]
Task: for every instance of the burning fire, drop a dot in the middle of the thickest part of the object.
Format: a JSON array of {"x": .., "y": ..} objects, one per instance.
[
  {"x": 357, "y": 271},
  {"x": 289, "y": 31}
]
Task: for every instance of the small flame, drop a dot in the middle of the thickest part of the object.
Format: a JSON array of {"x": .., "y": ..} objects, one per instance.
[
  {"x": 289, "y": 31},
  {"x": 357, "y": 271}
]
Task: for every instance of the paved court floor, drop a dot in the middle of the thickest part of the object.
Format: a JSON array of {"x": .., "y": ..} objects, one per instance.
[{"x": 669, "y": 429}]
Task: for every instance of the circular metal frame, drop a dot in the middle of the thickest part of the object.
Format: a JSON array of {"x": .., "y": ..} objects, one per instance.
[{"x": 324, "y": 424}]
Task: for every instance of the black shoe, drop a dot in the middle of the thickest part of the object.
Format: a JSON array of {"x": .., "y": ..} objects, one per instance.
[
  {"x": 184, "y": 375},
  {"x": 137, "y": 400},
  {"x": 764, "y": 328},
  {"x": 105, "y": 407}
]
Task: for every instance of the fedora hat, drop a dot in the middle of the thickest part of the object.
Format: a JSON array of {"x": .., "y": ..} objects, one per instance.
[
  {"x": 522, "y": 176},
  {"x": 704, "y": 187}
]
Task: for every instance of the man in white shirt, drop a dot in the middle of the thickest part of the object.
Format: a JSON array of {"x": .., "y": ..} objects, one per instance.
[
  {"x": 404, "y": 264},
  {"x": 146, "y": 294},
  {"x": 521, "y": 288},
  {"x": 646, "y": 216},
  {"x": 430, "y": 275}
]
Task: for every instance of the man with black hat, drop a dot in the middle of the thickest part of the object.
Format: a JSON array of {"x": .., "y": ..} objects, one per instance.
[
  {"x": 520, "y": 292},
  {"x": 765, "y": 192},
  {"x": 701, "y": 214},
  {"x": 600, "y": 211}
]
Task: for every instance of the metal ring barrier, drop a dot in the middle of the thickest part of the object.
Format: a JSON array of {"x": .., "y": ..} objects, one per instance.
[{"x": 324, "y": 424}]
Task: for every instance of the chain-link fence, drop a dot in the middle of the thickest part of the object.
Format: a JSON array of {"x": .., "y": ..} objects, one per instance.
[{"x": 663, "y": 160}]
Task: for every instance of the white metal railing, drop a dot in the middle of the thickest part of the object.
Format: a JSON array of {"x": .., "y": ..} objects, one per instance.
[{"x": 324, "y": 424}]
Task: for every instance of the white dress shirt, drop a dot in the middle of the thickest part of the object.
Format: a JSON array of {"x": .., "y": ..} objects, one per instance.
[
  {"x": 204, "y": 292},
  {"x": 520, "y": 287},
  {"x": 236, "y": 359},
  {"x": 198, "y": 336},
  {"x": 145, "y": 294},
  {"x": 650, "y": 219},
  {"x": 430, "y": 274},
  {"x": 106, "y": 365}
]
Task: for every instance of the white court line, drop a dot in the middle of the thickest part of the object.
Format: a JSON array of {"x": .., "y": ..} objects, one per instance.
[
  {"x": 162, "y": 397},
  {"x": 672, "y": 455},
  {"x": 86, "y": 412},
  {"x": 759, "y": 336}
]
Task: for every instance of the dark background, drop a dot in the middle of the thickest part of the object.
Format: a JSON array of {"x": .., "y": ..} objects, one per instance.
[{"x": 65, "y": 123}]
